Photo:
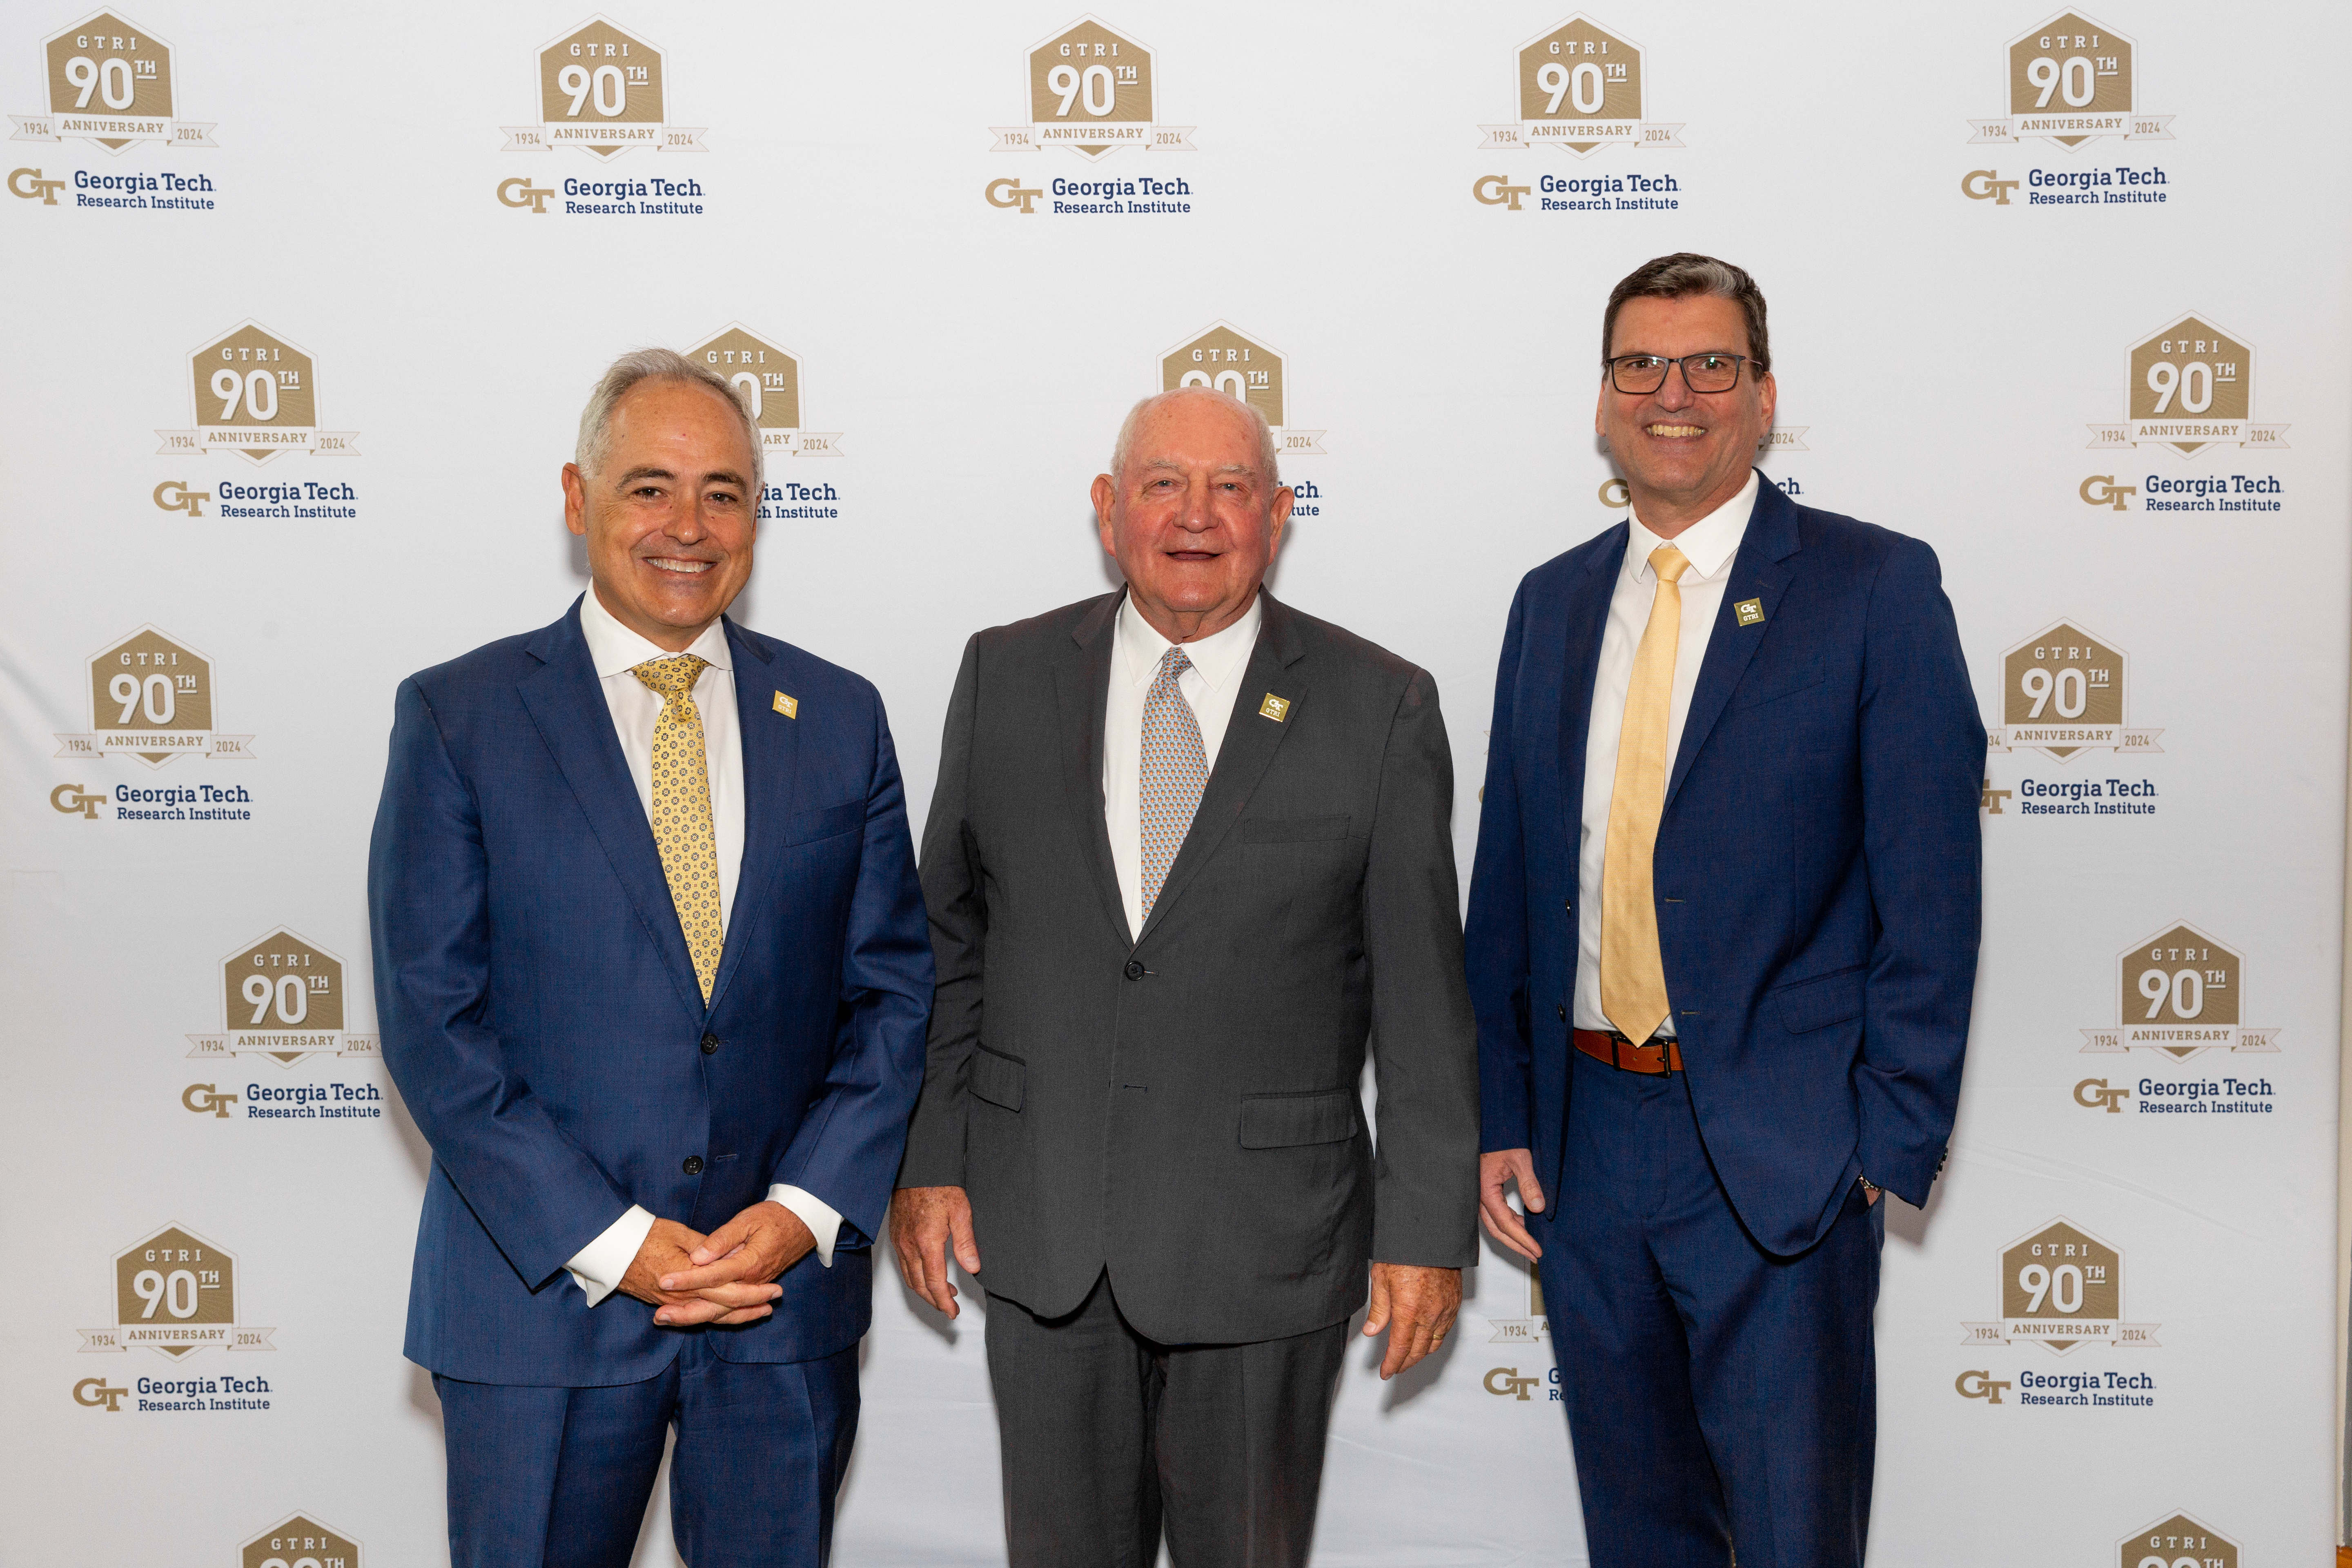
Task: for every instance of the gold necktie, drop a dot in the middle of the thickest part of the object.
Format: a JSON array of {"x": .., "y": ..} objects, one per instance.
[
  {"x": 683, "y": 828},
  {"x": 1174, "y": 773},
  {"x": 1633, "y": 973}
]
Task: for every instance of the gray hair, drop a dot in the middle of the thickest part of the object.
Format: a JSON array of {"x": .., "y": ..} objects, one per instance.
[
  {"x": 1124, "y": 447},
  {"x": 658, "y": 364}
]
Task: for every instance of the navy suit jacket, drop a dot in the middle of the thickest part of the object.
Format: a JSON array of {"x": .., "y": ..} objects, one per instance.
[
  {"x": 540, "y": 1015},
  {"x": 1817, "y": 867}
]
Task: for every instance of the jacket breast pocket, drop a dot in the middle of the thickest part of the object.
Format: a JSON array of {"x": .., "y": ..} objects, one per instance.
[
  {"x": 1288, "y": 1121},
  {"x": 830, "y": 822},
  {"x": 1827, "y": 999},
  {"x": 1780, "y": 691},
  {"x": 1293, "y": 830},
  {"x": 998, "y": 1079}
]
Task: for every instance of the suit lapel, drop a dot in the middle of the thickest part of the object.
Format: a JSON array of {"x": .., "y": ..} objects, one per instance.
[
  {"x": 1758, "y": 572},
  {"x": 1251, "y": 741},
  {"x": 1082, "y": 692},
  {"x": 567, "y": 705},
  {"x": 770, "y": 745},
  {"x": 1587, "y": 618}
]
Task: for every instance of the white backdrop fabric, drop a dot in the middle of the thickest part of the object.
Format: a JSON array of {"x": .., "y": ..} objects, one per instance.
[{"x": 2108, "y": 1337}]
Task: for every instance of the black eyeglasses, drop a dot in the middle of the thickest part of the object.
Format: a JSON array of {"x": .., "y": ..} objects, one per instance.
[{"x": 1643, "y": 373}]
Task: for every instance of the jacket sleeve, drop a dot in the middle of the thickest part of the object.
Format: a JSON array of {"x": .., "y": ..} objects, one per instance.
[
  {"x": 1922, "y": 753},
  {"x": 541, "y": 1195},
  {"x": 848, "y": 1145},
  {"x": 959, "y": 915},
  {"x": 1496, "y": 954},
  {"x": 1424, "y": 1041}
]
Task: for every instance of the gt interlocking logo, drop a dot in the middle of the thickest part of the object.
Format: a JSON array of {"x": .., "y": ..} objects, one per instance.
[
  {"x": 282, "y": 997},
  {"x": 2178, "y": 1542},
  {"x": 151, "y": 697},
  {"x": 768, "y": 379},
  {"x": 602, "y": 89},
  {"x": 1094, "y": 90},
  {"x": 110, "y": 82},
  {"x": 2181, "y": 992},
  {"x": 2070, "y": 80},
  {"x": 2191, "y": 385},
  {"x": 299, "y": 1541},
  {"x": 256, "y": 394},
  {"x": 175, "y": 1292},
  {"x": 1222, "y": 357},
  {"x": 1580, "y": 87},
  {"x": 2062, "y": 1288},
  {"x": 2063, "y": 694}
]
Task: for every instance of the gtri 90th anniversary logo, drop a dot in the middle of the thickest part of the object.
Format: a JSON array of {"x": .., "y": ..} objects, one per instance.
[
  {"x": 2070, "y": 80},
  {"x": 1579, "y": 88},
  {"x": 2063, "y": 1287},
  {"x": 1222, "y": 358},
  {"x": 2178, "y": 1542},
  {"x": 2063, "y": 694},
  {"x": 256, "y": 393},
  {"x": 605, "y": 91},
  {"x": 299, "y": 1541},
  {"x": 2181, "y": 992},
  {"x": 110, "y": 82},
  {"x": 1094, "y": 90},
  {"x": 602, "y": 89},
  {"x": 151, "y": 698},
  {"x": 175, "y": 1292},
  {"x": 2191, "y": 386},
  {"x": 768, "y": 379},
  {"x": 282, "y": 997}
]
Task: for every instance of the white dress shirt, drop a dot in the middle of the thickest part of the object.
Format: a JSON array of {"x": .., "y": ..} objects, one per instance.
[
  {"x": 1218, "y": 661},
  {"x": 616, "y": 650},
  {"x": 1709, "y": 545}
]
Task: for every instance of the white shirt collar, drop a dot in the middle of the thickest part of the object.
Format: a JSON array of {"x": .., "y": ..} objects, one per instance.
[
  {"x": 1219, "y": 657},
  {"x": 1707, "y": 544},
  {"x": 613, "y": 647}
]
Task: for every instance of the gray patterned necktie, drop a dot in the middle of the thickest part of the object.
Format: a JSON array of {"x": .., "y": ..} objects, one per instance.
[{"x": 1174, "y": 773}]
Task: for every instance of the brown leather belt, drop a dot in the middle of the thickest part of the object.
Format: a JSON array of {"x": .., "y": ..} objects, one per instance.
[{"x": 1617, "y": 1051}]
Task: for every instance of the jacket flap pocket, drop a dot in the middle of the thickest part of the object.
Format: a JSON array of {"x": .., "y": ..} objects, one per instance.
[
  {"x": 997, "y": 1079},
  {"x": 808, "y": 827},
  {"x": 1281, "y": 1120},
  {"x": 1292, "y": 829},
  {"x": 1804, "y": 682},
  {"x": 1817, "y": 1003}
]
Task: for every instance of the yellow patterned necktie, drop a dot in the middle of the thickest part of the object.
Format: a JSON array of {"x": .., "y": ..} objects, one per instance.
[
  {"x": 1633, "y": 972},
  {"x": 683, "y": 828}
]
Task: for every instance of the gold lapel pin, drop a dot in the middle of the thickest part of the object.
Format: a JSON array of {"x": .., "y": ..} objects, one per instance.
[
  {"x": 1274, "y": 708},
  {"x": 1750, "y": 611},
  {"x": 790, "y": 707}
]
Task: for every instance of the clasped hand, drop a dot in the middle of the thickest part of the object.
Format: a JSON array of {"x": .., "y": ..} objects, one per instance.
[{"x": 727, "y": 1277}]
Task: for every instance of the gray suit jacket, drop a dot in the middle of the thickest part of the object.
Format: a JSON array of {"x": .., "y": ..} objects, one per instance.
[{"x": 1179, "y": 1105}]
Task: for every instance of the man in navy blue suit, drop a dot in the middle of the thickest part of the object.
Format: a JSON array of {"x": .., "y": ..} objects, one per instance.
[
  {"x": 653, "y": 974},
  {"x": 1722, "y": 940}
]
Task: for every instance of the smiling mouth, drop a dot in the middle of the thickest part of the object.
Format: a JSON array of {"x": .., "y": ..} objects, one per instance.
[
  {"x": 1675, "y": 432},
  {"x": 674, "y": 564},
  {"x": 1191, "y": 555}
]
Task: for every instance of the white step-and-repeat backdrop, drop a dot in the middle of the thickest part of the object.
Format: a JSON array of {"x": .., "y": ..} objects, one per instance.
[{"x": 303, "y": 301}]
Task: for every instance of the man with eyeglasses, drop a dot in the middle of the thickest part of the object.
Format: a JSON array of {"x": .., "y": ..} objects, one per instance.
[{"x": 1722, "y": 938}]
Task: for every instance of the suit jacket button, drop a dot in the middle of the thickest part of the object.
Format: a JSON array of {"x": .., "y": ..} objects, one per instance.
[
  {"x": 709, "y": 1045},
  {"x": 1135, "y": 969},
  {"x": 694, "y": 1164},
  {"x": 1563, "y": 1012}
]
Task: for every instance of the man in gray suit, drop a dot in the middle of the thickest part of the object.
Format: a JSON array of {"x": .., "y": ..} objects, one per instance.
[{"x": 1190, "y": 851}]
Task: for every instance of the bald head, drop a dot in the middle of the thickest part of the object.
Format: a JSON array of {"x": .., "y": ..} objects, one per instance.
[{"x": 1261, "y": 433}]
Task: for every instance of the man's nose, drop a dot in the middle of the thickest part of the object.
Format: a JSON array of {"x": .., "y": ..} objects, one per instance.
[
  {"x": 1676, "y": 393},
  {"x": 1196, "y": 515}
]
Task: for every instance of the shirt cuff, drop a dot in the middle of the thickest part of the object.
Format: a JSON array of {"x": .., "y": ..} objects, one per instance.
[
  {"x": 822, "y": 1218},
  {"x": 599, "y": 1266}
]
